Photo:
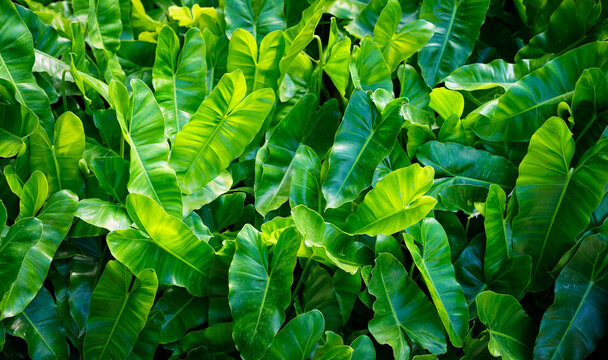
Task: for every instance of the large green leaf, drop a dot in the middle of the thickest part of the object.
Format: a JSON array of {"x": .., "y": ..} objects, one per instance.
[
  {"x": 457, "y": 25},
  {"x": 179, "y": 77},
  {"x": 337, "y": 58},
  {"x": 320, "y": 294},
  {"x": 259, "y": 18},
  {"x": 399, "y": 43},
  {"x": 17, "y": 122},
  {"x": 56, "y": 218},
  {"x": 498, "y": 232},
  {"x": 555, "y": 199},
  {"x": 182, "y": 312},
  {"x": 511, "y": 330},
  {"x": 103, "y": 214},
  {"x": 260, "y": 288},
  {"x": 329, "y": 243},
  {"x": 365, "y": 137},
  {"x": 428, "y": 244},
  {"x": 401, "y": 309},
  {"x": 589, "y": 109},
  {"x": 119, "y": 309},
  {"x": 260, "y": 67},
  {"x": 33, "y": 196},
  {"x": 16, "y": 62},
  {"x": 219, "y": 131},
  {"x": 530, "y": 101},
  {"x": 306, "y": 186},
  {"x": 40, "y": 326},
  {"x": 395, "y": 203},
  {"x": 298, "y": 338},
  {"x": 142, "y": 125},
  {"x": 58, "y": 159},
  {"x": 104, "y": 25},
  {"x": 465, "y": 173},
  {"x": 367, "y": 18},
  {"x": 276, "y": 160},
  {"x": 576, "y": 321},
  {"x": 163, "y": 243},
  {"x": 368, "y": 68},
  {"x": 497, "y": 73}
]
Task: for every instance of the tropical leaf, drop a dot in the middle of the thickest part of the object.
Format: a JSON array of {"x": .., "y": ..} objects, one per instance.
[
  {"x": 258, "y": 19},
  {"x": 298, "y": 338}
]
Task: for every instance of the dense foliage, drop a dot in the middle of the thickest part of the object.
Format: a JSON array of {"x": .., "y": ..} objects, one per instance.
[{"x": 283, "y": 179}]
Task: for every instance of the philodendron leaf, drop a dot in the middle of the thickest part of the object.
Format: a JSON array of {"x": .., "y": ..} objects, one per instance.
[
  {"x": 16, "y": 62},
  {"x": 306, "y": 181},
  {"x": 576, "y": 321},
  {"x": 181, "y": 312},
  {"x": 365, "y": 137},
  {"x": 105, "y": 26},
  {"x": 58, "y": 159},
  {"x": 40, "y": 326},
  {"x": 258, "y": 19},
  {"x": 555, "y": 199},
  {"x": 298, "y": 338},
  {"x": 399, "y": 43},
  {"x": 33, "y": 197},
  {"x": 402, "y": 310},
  {"x": 511, "y": 330},
  {"x": 179, "y": 77},
  {"x": 497, "y": 73},
  {"x": 103, "y": 214},
  {"x": 163, "y": 243},
  {"x": 395, "y": 203},
  {"x": 260, "y": 288},
  {"x": 428, "y": 244},
  {"x": 589, "y": 109},
  {"x": 457, "y": 25},
  {"x": 142, "y": 125},
  {"x": 498, "y": 232},
  {"x": 219, "y": 131},
  {"x": 119, "y": 308},
  {"x": 368, "y": 68},
  {"x": 17, "y": 122}
]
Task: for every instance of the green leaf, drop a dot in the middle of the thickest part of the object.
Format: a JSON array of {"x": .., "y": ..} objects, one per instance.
[
  {"x": 298, "y": 338},
  {"x": 58, "y": 159},
  {"x": 142, "y": 125},
  {"x": 113, "y": 175},
  {"x": 399, "y": 43},
  {"x": 511, "y": 330},
  {"x": 104, "y": 24},
  {"x": 364, "y": 23},
  {"x": 260, "y": 68},
  {"x": 182, "y": 312},
  {"x": 395, "y": 203},
  {"x": 119, "y": 309},
  {"x": 320, "y": 294},
  {"x": 365, "y": 137},
  {"x": 329, "y": 243},
  {"x": 517, "y": 114},
  {"x": 428, "y": 244},
  {"x": 56, "y": 218},
  {"x": 446, "y": 103},
  {"x": 219, "y": 131},
  {"x": 275, "y": 161},
  {"x": 147, "y": 341},
  {"x": 260, "y": 288},
  {"x": 17, "y": 122},
  {"x": 16, "y": 63},
  {"x": 589, "y": 109},
  {"x": 497, "y": 73},
  {"x": 465, "y": 173},
  {"x": 457, "y": 25},
  {"x": 576, "y": 321},
  {"x": 162, "y": 243},
  {"x": 498, "y": 232},
  {"x": 363, "y": 348},
  {"x": 179, "y": 77},
  {"x": 306, "y": 188},
  {"x": 337, "y": 58},
  {"x": 40, "y": 326},
  {"x": 368, "y": 69},
  {"x": 259, "y": 19},
  {"x": 555, "y": 199},
  {"x": 401, "y": 310},
  {"x": 216, "y": 187},
  {"x": 33, "y": 197},
  {"x": 103, "y": 214}
]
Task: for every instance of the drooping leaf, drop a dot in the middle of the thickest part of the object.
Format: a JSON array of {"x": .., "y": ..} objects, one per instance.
[
  {"x": 219, "y": 131},
  {"x": 163, "y": 243},
  {"x": 497, "y": 73},
  {"x": 401, "y": 309},
  {"x": 119, "y": 309},
  {"x": 511, "y": 330}
]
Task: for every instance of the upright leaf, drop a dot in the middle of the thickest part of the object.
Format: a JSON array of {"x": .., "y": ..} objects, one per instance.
[
  {"x": 428, "y": 244},
  {"x": 119, "y": 309},
  {"x": 17, "y": 122},
  {"x": 219, "y": 131},
  {"x": 179, "y": 77},
  {"x": 368, "y": 69},
  {"x": 298, "y": 338},
  {"x": 457, "y": 25},
  {"x": 260, "y": 289},
  {"x": 259, "y": 19},
  {"x": 142, "y": 125},
  {"x": 104, "y": 24},
  {"x": 498, "y": 232}
]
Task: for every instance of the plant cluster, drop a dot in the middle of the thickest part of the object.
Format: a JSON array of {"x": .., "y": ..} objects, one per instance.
[{"x": 290, "y": 179}]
